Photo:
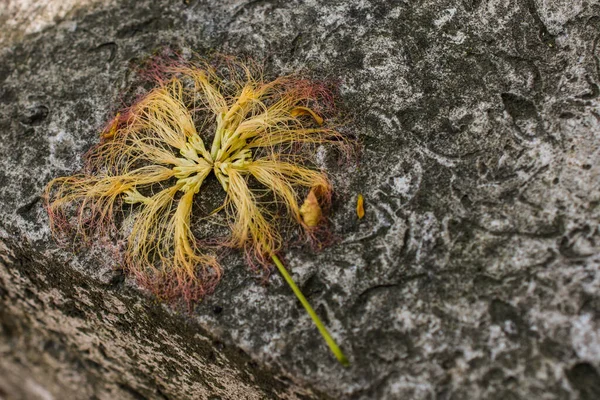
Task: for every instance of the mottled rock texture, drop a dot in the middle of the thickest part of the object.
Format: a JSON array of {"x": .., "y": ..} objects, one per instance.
[{"x": 474, "y": 274}]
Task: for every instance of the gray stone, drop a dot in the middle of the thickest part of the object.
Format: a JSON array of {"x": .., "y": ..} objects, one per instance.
[{"x": 475, "y": 273}]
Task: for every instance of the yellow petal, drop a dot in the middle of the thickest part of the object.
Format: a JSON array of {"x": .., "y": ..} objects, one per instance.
[
  {"x": 360, "y": 206},
  {"x": 110, "y": 131},
  {"x": 306, "y": 111},
  {"x": 311, "y": 210}
]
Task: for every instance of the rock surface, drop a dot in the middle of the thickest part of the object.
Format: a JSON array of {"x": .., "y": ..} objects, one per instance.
[{"x": 474, "y": 274}]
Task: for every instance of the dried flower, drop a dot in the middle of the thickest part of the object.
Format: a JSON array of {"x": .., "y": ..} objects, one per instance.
[{"x": 154, "y": 155}]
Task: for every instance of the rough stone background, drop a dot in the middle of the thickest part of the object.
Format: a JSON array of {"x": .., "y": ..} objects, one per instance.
[{"x": 475, "y": 273}]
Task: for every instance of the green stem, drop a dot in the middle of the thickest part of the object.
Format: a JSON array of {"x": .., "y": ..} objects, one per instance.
[{"x": 330, "y": 342}]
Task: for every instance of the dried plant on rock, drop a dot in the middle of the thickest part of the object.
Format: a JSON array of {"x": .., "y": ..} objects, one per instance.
[{"x": 155, "y": 155}]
